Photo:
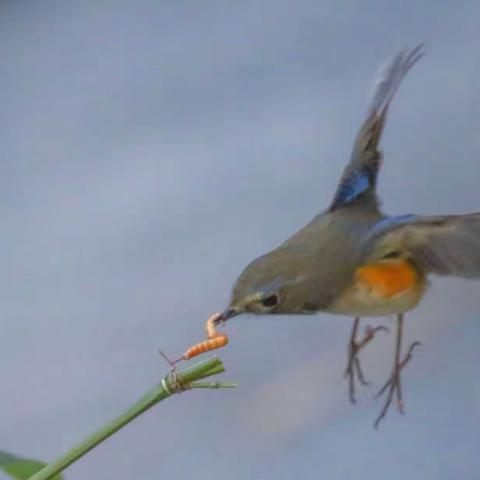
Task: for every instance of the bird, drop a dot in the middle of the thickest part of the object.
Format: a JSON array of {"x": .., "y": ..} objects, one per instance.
[{"x": 353, "y": 259}]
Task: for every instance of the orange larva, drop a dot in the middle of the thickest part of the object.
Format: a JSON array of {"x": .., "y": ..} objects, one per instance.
[
  {"x": 211, "y": 344},
  {"x": 215, "y": 340}
]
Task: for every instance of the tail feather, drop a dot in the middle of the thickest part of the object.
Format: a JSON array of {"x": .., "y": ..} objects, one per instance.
[
  {"x": 360, "y": 175},
  {"x": 390, "y": 76},
  {"x": 385, "y": 86}
]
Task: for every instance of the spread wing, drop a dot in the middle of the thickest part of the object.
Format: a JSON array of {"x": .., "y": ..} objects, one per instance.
[
  {"x": 443, "y": 245},
  {"x": 360, "y": 175}
]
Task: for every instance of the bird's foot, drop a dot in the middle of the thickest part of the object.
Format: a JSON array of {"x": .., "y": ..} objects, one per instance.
[
  {"x": 354, "y": 371},
  {"x": 394, "y": 387}
]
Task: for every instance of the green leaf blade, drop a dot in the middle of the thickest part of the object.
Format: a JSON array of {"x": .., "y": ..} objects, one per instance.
[{"x": 20, "y": 468}]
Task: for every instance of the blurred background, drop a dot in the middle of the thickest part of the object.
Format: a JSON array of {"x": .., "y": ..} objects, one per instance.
[{"x": 149, "y": 150}]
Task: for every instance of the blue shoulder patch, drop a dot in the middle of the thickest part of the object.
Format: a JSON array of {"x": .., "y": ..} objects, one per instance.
[
  {"x": 356, "y": 184},
  {"x": 390, "y": 222}
]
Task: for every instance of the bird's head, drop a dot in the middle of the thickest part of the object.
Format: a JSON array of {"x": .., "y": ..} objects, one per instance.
[{"x": 275, "y": 283}]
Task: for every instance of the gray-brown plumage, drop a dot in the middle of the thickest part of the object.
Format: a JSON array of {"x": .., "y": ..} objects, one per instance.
[{"x": 352, "y": 259}]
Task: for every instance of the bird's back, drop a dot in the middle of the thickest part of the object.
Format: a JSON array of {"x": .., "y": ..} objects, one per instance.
[{"x": 328, "y": 250}]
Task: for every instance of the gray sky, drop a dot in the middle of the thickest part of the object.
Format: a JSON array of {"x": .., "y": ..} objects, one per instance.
[{"x": 149, "y": 151}]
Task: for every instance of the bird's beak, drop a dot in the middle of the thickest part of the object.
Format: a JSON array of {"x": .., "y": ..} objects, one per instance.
[{"x": 226, "y": 315}]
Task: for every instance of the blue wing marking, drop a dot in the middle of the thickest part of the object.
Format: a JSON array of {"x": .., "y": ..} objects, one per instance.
[
  {"x": 391, "y": 222},
  {"x": 356, "y": 184}
]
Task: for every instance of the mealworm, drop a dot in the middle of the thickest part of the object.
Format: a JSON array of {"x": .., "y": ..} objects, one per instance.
[{"x": 215, "y": 340}]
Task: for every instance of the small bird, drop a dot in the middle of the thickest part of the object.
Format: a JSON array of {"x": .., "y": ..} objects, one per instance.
[{"x": 354, "y": 260}]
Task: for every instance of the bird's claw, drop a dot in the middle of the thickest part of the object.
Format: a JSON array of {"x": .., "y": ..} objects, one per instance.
[
  {"x": 370, "y": 332},
  {"x": 354, "y": 371},
  {"x": 393, "y": 385}
]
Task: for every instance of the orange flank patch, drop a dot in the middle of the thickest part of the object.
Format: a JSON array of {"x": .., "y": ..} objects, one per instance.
[{"x": 388, "y": 278}]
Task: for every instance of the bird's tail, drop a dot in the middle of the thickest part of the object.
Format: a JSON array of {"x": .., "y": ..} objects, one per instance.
[{"x": 385, "y": 86}]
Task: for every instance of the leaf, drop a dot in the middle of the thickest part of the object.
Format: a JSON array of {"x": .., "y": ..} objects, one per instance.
[{"x": 21, "y": 468}]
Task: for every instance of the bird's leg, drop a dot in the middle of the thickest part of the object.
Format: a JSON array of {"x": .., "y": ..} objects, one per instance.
[
  {"x": 354, "y": 368},
  {"x": 393, "y": 384}
]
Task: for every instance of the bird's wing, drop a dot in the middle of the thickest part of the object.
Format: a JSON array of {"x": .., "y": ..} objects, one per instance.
[
  {"x": 442, "y": 245},
  {"x": 360, "y": 175}
]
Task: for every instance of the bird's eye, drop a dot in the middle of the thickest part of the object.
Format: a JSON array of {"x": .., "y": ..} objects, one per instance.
[
  {"x": 270, "y": 301},
  {"x": 394, "y": 254}
]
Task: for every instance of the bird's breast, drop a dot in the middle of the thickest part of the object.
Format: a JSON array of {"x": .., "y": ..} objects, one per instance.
[{"x": 382, "y": 288}]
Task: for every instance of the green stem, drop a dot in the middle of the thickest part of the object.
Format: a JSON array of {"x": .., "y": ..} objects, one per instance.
[
  {"x": 212, "y": 385},
  {"x": 170, "y": 385}
]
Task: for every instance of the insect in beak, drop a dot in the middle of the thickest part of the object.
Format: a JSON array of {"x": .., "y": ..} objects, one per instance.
[{"x": 226, "y": 315}]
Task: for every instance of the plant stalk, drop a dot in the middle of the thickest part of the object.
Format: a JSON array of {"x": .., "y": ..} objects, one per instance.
[{"x": 173, "y": 383}]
